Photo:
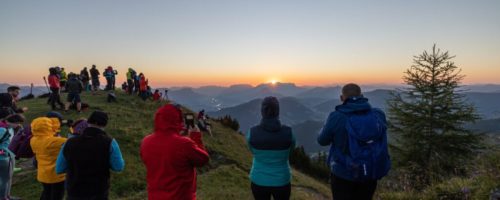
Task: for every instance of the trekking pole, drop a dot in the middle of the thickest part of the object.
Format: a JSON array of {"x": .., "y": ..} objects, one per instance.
[{"x": 47, "y": 85}]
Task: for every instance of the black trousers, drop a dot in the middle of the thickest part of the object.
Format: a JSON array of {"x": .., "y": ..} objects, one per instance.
[
  {"x": 55, "y": 97},
  {"x": 265, "y": 193},
  {"x": 53, "y": 191},
  {"x": 347, "y": 190}
]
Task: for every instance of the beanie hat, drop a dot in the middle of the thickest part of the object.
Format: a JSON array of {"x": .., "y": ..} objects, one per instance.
[
  {"x": 98, "y": 118},
  {"x": 54, "y": 114},
  {"x": 79, "y": 126}
]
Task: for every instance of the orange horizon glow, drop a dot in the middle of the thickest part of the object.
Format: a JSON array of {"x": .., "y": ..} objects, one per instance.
[{"x": 301, "y": 78}]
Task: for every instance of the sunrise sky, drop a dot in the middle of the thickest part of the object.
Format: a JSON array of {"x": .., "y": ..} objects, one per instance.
[{"x": 193, "y": 43}]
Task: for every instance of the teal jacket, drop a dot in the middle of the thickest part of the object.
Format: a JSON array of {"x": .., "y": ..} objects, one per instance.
[
  {"x": 6, "y": 135},
  {"x": 271, "y": 144}
]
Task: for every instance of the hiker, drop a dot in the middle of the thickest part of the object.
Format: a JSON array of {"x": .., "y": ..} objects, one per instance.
[
  {"x": 94, "y": 74},
  {"x": 131, "y": 75},
  {"x": 74, "y": 88},
  {"x": 46, "y": 146},
  {"x": 63, "y": 79},
  {"x": 8, "y": 123},
  {"x": 9, "y": 99},
  {"x": 125, "y": 87},
  {"x": 144, "y": 87},
  {"x": 55, "y": 88},
  {"x": 77, "y": 128},
  {"x": 358, "y": 154},
  {"x": 171, "y": 158},
  {"x": 88, "y": 159},
  {"x": 137, "y": 84},
  {"x": 85, "y": 78},
  {"x": 109, "y": 73},
  {"x": 270, "y": 143},
  {"x": 157, "y": 95}
]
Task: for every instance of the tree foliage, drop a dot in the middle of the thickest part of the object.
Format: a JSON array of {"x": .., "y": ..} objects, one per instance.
[{"x": 428, "y": 117}]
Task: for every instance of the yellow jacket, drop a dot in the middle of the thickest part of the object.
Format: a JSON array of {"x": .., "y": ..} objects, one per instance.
[{"x": 46, "y": 147}]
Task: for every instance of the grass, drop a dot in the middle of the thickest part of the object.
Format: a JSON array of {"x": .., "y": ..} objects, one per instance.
[{"x": 225, "y": 177}]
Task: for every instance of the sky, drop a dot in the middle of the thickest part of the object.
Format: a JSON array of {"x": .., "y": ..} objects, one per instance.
[{"x": 199, "y": 42}]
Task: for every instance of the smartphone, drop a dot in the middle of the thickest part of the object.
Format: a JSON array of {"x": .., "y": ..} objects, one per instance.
[{"x": 189, "y": 120}]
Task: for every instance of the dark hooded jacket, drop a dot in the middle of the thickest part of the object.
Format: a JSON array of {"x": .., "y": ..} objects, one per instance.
[
  {"x": 171, "y": 159},
  {"x": 270, "y": 143},
  {"x": 334, "y": 131}
]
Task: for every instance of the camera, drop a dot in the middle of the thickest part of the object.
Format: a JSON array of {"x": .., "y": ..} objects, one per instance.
[
  {"x": 67, "y": 122},
  {"x": 189, "y": 120}
]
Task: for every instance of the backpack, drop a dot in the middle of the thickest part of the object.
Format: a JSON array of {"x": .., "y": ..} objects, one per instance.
[
  {"x": 20, "y": 144},
  {"x": 368, "y": 158}
]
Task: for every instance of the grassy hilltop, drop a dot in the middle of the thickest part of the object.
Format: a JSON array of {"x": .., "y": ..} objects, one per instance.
[{"x": 226, "y": 176}]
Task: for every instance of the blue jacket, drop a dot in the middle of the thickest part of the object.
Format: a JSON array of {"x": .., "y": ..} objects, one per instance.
[
  {"x": 334, "y": 132},
  {"x": 271, "y": 144}
]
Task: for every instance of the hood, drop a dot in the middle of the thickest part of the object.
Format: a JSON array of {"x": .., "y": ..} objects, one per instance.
[
  {"x": 270, "y": 108},
  {"x": 168, "y": 119},
  {"x": 270, "y": 111},
  {"x": 354, "y": 104},
  {"x": 43, "y": 126}
]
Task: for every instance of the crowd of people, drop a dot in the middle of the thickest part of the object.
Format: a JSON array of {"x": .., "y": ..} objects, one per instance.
[
  {"x": 79, "y": 165},
  {"x": 59, "y": 81}
]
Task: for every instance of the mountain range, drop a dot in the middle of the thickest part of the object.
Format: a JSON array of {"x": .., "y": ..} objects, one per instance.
[{"x": 305, "y": 108}]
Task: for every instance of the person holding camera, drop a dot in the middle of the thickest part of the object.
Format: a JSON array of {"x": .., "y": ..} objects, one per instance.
[{"x": 170, "y": 158}]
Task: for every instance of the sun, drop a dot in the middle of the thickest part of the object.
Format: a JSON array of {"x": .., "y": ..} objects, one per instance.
[{"x": 274, "y": 82}]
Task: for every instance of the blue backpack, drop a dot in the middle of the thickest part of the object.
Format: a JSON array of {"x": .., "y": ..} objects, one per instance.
[{"x": 368, "y": 158}]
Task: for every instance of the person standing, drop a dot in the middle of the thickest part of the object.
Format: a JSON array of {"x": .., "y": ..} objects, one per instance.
[
  {"x": 63, "y": 78},
  {"x": 130, "y": 80},
  {"x": 270, "y": 143},
  {"x": 357, "y": 135},
  {"x": 88, "y": 158},
  {"x": 170, "y": 158},
  {"x": 94, "y": 74},
  {"x": 55, "y": 88},
  {"x": 85, "y": 78},
  {"x": 143, "y": 90},
  {"x": 74, "y": 88},
  {"x": 9, "y": 122},
  {"x": 46, "y": 146}
]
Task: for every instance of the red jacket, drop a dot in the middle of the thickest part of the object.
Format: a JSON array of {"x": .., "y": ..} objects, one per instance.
[
  {"x": 143, "y": 84},
  {"x": 171, "y": 159},
  {"x": 54, "y": 81},
  {"x": 156, "y": 96}
]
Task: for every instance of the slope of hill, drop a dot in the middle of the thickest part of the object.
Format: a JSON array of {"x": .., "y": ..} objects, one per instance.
[{"x": 226, "y": 176}]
